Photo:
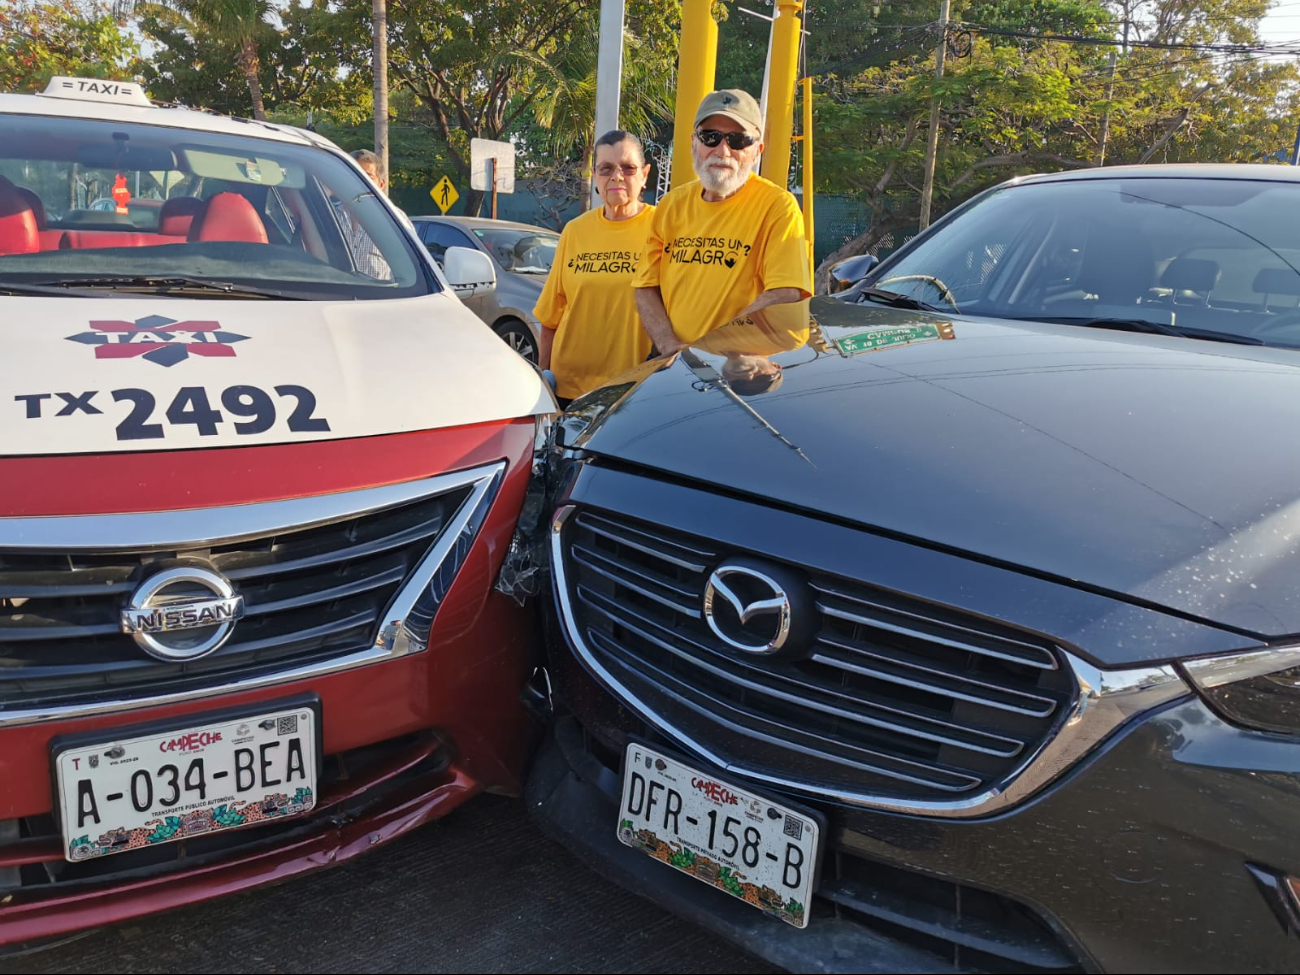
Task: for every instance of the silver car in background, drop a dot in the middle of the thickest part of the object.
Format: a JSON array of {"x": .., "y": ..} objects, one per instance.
[{"x": 522, "y": 254}]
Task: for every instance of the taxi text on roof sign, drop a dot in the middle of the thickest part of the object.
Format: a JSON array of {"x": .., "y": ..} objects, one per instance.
[{"x": 97, "y": 90}]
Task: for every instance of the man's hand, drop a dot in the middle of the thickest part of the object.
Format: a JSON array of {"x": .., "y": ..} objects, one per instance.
[{"x": 654, "y": 318}]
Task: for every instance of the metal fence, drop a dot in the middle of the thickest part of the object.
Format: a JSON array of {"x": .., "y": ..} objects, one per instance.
[{"x": 837, "y": 219}]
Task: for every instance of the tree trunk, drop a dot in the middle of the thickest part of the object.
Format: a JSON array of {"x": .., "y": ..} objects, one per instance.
[
  {"x": 858, "y": 245},
  {"x": 589, "y": 195},
  {"x": 473, "y": 201},
  {"x": 379, "y": 12},
  {"x": 251, "y": 65}
]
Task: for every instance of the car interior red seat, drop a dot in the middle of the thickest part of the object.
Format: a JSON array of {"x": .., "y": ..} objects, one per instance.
[
  {"x": 229, "y": 216},
  {"x": 49, "y": 239},
  {"x": 176, "y": 215},
  {"x": 18, "y": 230},
  {"x": 38, "y": 207}
]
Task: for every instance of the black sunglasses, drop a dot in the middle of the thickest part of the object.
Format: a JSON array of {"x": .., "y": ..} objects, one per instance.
[{"x": 736, "y": 140}]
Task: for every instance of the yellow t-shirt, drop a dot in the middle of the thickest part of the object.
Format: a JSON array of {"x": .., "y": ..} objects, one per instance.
[
  {"x": 711, "y": 260},
  {"x": 588, "y": 299}
]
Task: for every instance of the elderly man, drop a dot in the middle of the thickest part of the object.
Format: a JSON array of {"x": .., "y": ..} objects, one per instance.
[
  {"x": 726, "y": 245},
  {"x": 369, "y": 163}
]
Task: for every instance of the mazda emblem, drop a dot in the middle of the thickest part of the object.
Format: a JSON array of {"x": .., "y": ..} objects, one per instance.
[{"x": 747, "y": 609}]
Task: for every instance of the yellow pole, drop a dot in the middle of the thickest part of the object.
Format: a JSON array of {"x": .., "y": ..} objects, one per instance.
[
  {"x": 807, "y": 139},
  {"x": 787, "y": 31},
  {"x": 697, "y": 64}
]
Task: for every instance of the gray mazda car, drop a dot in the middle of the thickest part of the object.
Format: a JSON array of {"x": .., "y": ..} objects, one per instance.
[{"x": 522, "y": 254}]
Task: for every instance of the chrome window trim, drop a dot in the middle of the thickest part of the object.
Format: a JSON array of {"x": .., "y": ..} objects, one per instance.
[
  {"x": 1104, "y": 700},
  {"x": 423, "y": 591}
]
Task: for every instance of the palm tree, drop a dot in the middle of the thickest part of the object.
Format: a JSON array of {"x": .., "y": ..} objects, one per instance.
[
  {"x": 566, "y": 107},
  {"x": 379, "y": 15},
  {"x": 236, "y": 22}
]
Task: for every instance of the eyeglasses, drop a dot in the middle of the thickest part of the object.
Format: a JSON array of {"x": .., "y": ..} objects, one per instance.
[
  {"x": 606, "y": 170},
  {"x": 736, "y": 140}
]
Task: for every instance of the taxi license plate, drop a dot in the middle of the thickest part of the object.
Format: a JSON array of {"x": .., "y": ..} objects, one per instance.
[
  {"x": 757, "y": 850},
  {"x": 126, "y": 793}
]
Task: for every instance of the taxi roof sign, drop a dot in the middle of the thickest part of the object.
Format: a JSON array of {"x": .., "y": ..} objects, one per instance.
[{"x": 97, "y": 90}]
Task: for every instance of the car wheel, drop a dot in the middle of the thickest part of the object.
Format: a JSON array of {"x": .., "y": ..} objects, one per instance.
[{"x": 518, "y": 336}]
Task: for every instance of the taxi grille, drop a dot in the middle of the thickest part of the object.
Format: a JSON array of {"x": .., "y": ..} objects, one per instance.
[
  {"x": 898, "y": 697},
  {"x": 309, "y": 595}
]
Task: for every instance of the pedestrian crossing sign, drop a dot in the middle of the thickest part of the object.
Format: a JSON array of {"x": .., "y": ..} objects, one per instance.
[{"x": 444, "y": 194}]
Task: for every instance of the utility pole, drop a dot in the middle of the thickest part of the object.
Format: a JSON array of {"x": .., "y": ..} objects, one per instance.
[
  {"x": 1105, "y": 119},
  {"x": 379, "y": 13},
  {"x": 932, "y": 144},
  {"x": 609, "y": 80}
]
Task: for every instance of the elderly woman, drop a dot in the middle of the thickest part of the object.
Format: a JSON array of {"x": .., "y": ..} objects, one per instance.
[{"x": 590, "y": 328}]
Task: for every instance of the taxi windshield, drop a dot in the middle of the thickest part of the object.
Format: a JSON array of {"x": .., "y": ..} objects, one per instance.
[{"x": 93, "y": 203}]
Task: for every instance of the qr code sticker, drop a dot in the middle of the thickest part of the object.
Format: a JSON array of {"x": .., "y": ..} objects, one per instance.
[
  {"x": 793, "y": 828},
  {"x": 287, "y": 725}
]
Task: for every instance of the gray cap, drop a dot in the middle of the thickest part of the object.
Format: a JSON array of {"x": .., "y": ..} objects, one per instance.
[{"x": 734, "y": 104}]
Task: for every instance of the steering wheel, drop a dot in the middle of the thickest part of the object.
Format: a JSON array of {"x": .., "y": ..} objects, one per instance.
[{"x": 944, "y": 291}]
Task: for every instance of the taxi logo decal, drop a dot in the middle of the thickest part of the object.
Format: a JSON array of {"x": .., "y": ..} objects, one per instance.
[{"x": 165, "y": 341}]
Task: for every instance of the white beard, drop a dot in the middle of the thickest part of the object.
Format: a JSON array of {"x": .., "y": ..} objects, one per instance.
[{"x": 718, "y": 178}]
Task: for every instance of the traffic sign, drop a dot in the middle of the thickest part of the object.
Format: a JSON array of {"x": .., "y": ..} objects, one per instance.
[
  {"x": 444, "y": 194},
  {"x": 502, "y": 170}
]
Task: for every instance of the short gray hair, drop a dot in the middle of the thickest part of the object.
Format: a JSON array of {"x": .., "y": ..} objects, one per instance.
[
  {"x": 616, "y": 137},
  {"x": 367, "y": 157}
]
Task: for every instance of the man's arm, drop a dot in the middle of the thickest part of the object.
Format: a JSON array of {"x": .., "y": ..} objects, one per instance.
[
  {"x": 544, "y": 353},
  {"x": 654, "y": 318},
  {"x": 773, "y": 296}
]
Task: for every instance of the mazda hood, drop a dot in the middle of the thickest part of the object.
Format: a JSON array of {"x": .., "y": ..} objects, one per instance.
[{"x": 1156, "y": 468}]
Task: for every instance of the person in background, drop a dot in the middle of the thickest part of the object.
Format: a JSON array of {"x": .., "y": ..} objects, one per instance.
[
  {"x": 724, "y": 246},
  {"x": 369, "y": 163},
  {"x": 590, "y": 328}
]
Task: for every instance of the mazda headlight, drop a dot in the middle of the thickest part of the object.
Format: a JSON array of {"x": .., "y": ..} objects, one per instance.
[{"x": 1259, "y": 689}]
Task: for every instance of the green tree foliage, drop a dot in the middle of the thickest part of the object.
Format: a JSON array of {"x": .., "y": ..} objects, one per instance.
[
  {"x": 43, "y": 38},
  {"x": 299, "y": 72},
  {"x": 1013, "y": 104},
  {"x": 487, "y": 70},
  {"x": 240, "y": 25}
]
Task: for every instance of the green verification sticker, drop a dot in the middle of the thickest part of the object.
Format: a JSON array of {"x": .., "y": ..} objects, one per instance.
[{"x": 887, "y": 338}]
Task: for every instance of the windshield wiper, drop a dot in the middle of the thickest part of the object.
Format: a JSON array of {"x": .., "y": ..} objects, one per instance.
[
  {"x": 1150, "y": 327},
  {"x": 160, "y": 284},
  {"x": 43, "y": 290},
  {"x": 894, "y": 300}
]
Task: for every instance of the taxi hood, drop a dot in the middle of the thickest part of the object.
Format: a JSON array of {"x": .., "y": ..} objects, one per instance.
[{"x": 107, "y": 374}]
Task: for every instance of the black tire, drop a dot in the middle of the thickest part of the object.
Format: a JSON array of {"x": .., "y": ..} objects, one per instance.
[{"x": 518, "y": 336}]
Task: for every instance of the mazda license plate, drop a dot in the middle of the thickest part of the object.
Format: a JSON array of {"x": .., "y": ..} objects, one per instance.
[{"x": 759, "y": 851}]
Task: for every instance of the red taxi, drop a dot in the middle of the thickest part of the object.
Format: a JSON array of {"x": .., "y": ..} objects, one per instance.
[{"x": 259, "y": 468}]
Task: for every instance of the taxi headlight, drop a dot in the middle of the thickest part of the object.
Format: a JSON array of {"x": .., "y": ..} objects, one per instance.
[{"x": 1259, "y": 689}]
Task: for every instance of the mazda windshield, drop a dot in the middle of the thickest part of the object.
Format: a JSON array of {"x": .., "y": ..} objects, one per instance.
[{"x": 1200, "y": 256}]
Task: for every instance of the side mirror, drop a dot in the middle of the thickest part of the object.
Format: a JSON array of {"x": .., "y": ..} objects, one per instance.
[
  {"x": 850, "y": 271},
  {"x": 469, "y": 272}
]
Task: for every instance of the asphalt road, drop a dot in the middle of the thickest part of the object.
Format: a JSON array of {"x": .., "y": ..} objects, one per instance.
[{"x": 480, "y": 891}]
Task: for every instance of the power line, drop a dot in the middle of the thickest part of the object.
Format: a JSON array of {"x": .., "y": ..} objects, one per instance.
[{"x": 1290, "y": 48}]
